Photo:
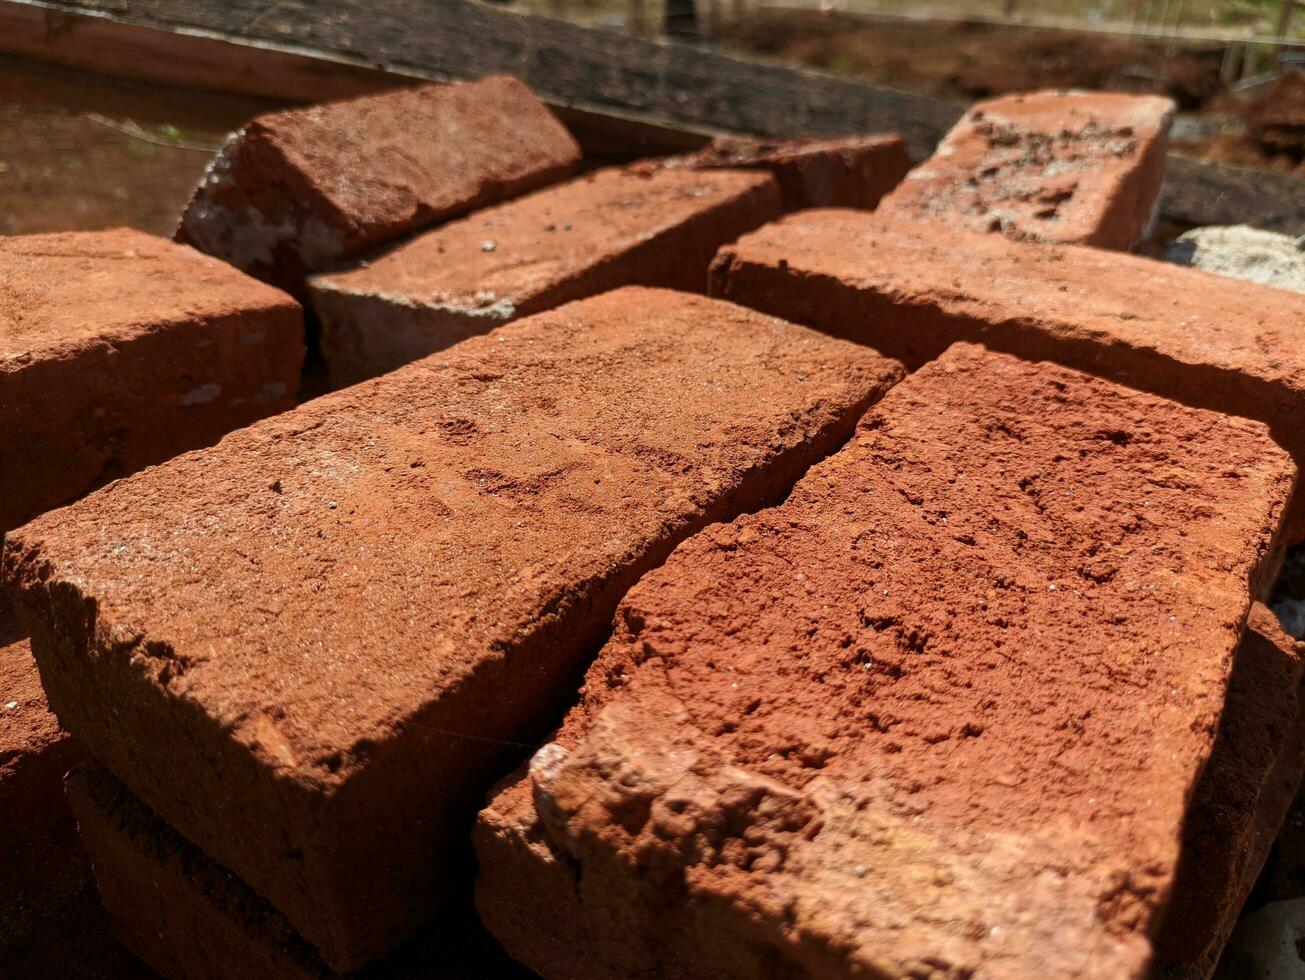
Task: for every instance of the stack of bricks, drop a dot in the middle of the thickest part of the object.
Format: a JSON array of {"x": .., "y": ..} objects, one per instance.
[
  {"x": 606, "y": 229},
  {"x": 946, "y": 705},
  {"x": 302, "y": 190},
  {"x": 894, "y": 609}
]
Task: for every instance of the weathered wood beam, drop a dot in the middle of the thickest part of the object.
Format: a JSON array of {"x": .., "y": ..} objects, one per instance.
[
  {"x": 606, "y": 72},
  {"x": 623, "y": 96},
  {"x": 94, "y": 40}
]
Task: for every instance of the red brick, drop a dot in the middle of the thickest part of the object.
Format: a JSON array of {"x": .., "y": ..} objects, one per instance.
[
  {"x": 311, "y": 648},
  {"x": 118, "y": 350},
  {"x": 41, "y": 868},
  {"x": 1241, "y": 801},
  {"x": 853, "y": 172},
  {"x": 189, "y": 917},
  {"x": 299, "y": 190},
  {"x": 50, "y": 920},
  {"x": 939, "y": 713},
  {"x": 1072, "y": 167},
  {"x": 910, "y": 289},
  {"x": 604, "y": 230}
]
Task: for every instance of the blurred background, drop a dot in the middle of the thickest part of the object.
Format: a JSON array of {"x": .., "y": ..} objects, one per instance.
[
  {"x": 1235, "y": 67},
  {"x": 83, "y": 149}
]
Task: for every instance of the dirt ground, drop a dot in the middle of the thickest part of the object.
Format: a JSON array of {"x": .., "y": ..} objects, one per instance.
[
  {"x": 965, "y": 61},
  {"x": 83, "y": 151},
  {"x": 84, "y": 173}
]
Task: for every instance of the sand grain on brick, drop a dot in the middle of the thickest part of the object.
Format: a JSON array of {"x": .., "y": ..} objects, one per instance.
[
  {"x": 1070, "y": 167},
  {"x": 939, "y": 713},
  {"x": 652, "y": 227},
  {"x": 852, "y": 172},
  {"x": 305, "y": 647},
  {"x": 118, "y": 350},
  {"x": 296, "y": 191}
]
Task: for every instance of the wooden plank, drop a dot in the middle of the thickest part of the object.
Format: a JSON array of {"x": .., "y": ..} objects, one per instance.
[
  {"x": 604, "y": 72},
  {"x": 92, "y": 40},
  {"x": 623, "y": 96},
  {"x": 187, "y": 59}
]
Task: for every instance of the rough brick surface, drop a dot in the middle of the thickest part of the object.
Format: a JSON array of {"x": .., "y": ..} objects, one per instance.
[
  {"x": 607, "y": 229},
  {"x": 1241, "y": 801},
  {"x": 117, "y": 350},
  {"x": 910, "y": 289},
  {"x": 855, "y": 172},
  {"x": 303, "y": 646},
  {"x": 938, "y": 714},
  {"x": 1072, "y": 167},
  {"x": 296, "y": 191},
  {"x": 189, "y": 917}
]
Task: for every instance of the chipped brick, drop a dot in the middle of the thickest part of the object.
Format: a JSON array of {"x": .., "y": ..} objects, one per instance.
[
  {"x": 118, "y": 350},
  {"x": 607, "y": 229},
  {"x": 1071, "y": 167},
  {"x": 939, "y": 713},
  {"x": 297, "y": 191},
  {"x": 310, "y": 648}
]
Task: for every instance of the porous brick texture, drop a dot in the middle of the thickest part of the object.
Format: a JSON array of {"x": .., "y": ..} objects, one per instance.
[
  {"x": 189, "y": 917},
  {"x": 938, "y": 714},
  {"x": 118, "y": 350},
  {"x": 910, "y": 289},
  {"x": 296, "y": 191},
  {"x": 311, "y": 648},
  {"x": 1241, "y": 801},
  {"x": 652, "y": 227},
  {"x": 853, "y": 172},
  {"x": 1070, "y": 167}
]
